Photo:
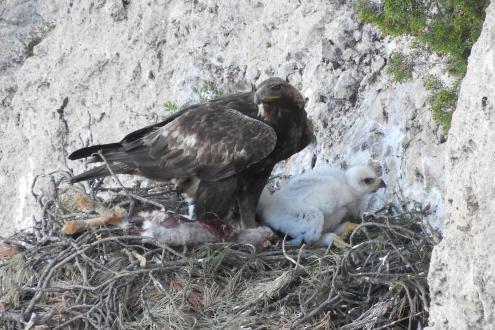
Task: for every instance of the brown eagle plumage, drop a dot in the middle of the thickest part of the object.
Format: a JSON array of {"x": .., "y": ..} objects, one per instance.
[{"x": 224, "y": 149}]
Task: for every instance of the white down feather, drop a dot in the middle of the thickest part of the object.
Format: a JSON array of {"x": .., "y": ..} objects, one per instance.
[{"x": 316, "y": 203}]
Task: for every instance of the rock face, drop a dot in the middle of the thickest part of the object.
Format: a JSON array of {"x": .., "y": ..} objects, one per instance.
[
  {"x": 462, "y": 272},
  {"x": 23, "y": 25},
  {"x": 103, "y": 68}
]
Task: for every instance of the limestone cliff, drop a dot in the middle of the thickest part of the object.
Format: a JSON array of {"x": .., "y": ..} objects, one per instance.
[
  {"x": 462, "y": 271},
  {"x": 75, "y": 73},
  {"x": 97, "y": 70}
]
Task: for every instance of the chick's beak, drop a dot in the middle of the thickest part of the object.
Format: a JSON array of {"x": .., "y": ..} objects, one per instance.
[{"x": 379, "y": 183}]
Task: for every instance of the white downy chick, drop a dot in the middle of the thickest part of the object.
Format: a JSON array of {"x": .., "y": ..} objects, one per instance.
[{"x": 312, "y": 206}]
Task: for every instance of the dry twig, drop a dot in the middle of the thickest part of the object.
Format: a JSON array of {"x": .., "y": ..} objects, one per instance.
[{"x": 109, "y": 278}]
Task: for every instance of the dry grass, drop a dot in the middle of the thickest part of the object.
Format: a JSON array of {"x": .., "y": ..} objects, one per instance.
[{"x": 110, "y": 278}]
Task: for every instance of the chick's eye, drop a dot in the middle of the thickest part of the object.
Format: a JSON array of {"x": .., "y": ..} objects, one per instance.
[{"x": 368, "y": 180}]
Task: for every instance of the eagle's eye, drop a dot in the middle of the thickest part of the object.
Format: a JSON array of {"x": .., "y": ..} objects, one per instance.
[
  {"x": 368, "y": 180},
  {"x": 276, "y": 87}
]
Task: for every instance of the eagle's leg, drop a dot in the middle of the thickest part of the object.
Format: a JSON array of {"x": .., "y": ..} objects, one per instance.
[
  {"x": 214, "y": 198},
  {"x": 247, "y": 212},
  {"x": 249, "y": 194}
]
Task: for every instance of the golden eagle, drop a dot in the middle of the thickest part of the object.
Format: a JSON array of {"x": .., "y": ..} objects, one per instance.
[{"x": 226, "y": 148}]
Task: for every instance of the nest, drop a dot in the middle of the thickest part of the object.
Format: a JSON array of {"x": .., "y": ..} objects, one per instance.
[{"x": 110, "y": 278}]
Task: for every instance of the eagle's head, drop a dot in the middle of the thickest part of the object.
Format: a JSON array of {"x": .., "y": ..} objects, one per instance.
[
  {"x": 276, "y": 92},
  {"x": 363, "y": 179}
]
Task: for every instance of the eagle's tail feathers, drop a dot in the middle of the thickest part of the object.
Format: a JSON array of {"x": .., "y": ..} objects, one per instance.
[
  {"x": 102, "y": 171},
  {"x": 88, "y": 151},
  {"x": 110, "y": 156}
]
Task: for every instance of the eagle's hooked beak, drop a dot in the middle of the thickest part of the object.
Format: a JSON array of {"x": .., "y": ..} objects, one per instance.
[{"x": 262, "y": 95}]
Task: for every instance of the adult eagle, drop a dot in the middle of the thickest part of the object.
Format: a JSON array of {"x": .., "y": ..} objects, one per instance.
[{"x": 226, "y": 148}]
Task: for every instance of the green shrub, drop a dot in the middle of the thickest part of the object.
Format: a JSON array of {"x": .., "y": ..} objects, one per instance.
[
  {"x": 169, "y": 105},
  {"x": 442, "y": 105},
  {"x": 432, "y": 83},
  {"x": 442, "y": 101},
  {"x": 400, "y": 68},
  {"x": 207, "y": 91},
  {"x": 451, "y": 30},
  {"x": 455, "y": 30},
  {"x": 202, "y": 93},
  {"x": 395, "y": 16}
]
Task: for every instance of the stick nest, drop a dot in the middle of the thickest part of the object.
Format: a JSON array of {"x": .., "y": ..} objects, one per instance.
[{"x": 109, "y": 278}]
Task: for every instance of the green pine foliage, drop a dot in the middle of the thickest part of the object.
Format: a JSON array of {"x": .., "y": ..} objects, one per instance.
[{"x": 449, "y": 27}]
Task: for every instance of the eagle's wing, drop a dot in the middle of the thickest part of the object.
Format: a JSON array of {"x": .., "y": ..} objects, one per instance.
[
  {"x": 242, "y": 102},
  {"x": 211, "y": 144}
]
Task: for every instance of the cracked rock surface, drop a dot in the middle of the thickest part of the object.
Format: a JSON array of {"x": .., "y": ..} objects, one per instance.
[
  {"x": 101, "y": 69},
  {"x": 462, "y": 271}
]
